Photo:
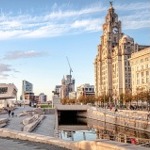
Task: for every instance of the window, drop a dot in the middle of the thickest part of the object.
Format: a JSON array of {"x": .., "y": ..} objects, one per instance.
[
  {"x": 141, "y": 60},
  {"x": 146, "y": 66},
  {"x": 86, "y": 89},
  {"x": 147, "y": 80},
  {"x": 147, "y": 73},
  {"x": 142, "y": 74},
  {"x": 142, "y": 80}
]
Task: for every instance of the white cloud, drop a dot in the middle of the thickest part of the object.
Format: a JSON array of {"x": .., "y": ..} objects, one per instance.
[
  {"x": 136, "y": 20},
  {"x": 134, "y": 6},
  {"x": 63, "y": 22},
  {"x": 88, "y": 25},
  {"x": 23, "y": 54},
  {"x": 4, "y": 69},
  {"x": 64, "y": 14}
]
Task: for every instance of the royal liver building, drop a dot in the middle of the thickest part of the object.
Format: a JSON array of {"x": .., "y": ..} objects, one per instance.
[{"x": 112, "y": 65}]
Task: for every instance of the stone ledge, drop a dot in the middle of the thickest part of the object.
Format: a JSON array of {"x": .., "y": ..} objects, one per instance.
[
  {"x": 82, "y": 145},
  {"x": 34, "y": 124}
]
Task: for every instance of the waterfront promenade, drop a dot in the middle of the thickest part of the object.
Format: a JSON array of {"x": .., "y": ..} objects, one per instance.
[
  {"x": 46, "y": 128},
  {"x": 44, "y": 133}
]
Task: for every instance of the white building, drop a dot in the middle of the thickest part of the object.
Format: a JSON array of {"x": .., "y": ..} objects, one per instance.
[
  {"x": 85, "y": 90},
  {"x": 55, "y": 100},
  {"x": 140, "y": 68},
  {"x": 42, "y": 98},
  {"x": 73, "y": 95},
  {"x": 68, "y": 85},
  {"x": 56, "y": 97},
  {"x": 57, "y": 90},
  {"x": 8, "y": 94}
]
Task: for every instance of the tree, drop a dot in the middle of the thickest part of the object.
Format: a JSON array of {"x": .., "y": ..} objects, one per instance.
[
  {"x": 87, "y": 99},
  {"x": 64, "y": 101},
  {"x": 146, "y": 97},
  {"x": 126, "y": 98}
]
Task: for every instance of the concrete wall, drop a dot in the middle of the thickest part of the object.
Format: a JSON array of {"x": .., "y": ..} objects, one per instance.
[
  {"x": 132, "y": 119},
  {"x": 48, "y": 110},
  {"x": 83, "y": 145}
]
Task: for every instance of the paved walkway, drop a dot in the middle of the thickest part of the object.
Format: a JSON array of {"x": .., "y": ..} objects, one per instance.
[
  {"x": 46, "y": 127},
  {"x": 15, "y": 122},
  {"x": 12, "y": 144}
]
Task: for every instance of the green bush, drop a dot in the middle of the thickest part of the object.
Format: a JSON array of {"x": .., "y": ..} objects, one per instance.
[{"x": 45, "y": 106}]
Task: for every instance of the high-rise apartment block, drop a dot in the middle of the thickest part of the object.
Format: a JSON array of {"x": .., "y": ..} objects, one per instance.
[{"x": 27, "y": 91}]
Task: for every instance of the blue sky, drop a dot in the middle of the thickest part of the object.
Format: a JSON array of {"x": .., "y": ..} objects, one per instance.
[{"x": 37, "y": 35}]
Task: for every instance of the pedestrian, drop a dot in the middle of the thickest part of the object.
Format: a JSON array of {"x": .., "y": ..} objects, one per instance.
[
  {"x": 9, "y": 112},
  {"x": 116, "y": 110},
  {"x": 12, "y": 114}
]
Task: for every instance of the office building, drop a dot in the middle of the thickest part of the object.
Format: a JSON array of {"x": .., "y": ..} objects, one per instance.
[
  {"x": 85, "y": 90},
  {"x": 140, "y": 68}
]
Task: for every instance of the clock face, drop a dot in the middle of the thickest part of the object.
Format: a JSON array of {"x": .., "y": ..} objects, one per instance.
[{"x": 115, "y": 30}]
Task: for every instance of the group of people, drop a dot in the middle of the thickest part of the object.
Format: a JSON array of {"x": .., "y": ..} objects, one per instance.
[{"x": 9, "y": 111}]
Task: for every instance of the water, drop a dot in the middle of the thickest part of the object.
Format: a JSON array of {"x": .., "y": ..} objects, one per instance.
[
  {"x": 82, "y": 129},
  {"x": 78, "y": 135},
  {"x": 102, "y": 130}
]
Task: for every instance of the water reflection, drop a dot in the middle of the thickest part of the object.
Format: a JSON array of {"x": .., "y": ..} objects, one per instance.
[{"x": 90, "y": 129}]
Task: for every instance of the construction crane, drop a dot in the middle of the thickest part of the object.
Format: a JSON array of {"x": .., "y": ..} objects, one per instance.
[
  {"x": 70, "y": 70},
  {"x": 69, "y": 66}
]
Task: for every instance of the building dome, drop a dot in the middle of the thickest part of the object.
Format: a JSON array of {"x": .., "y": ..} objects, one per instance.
[{"x": 126, "y": 39}]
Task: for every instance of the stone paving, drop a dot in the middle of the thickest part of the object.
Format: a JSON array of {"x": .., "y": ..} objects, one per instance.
[
  {"x": 46, "y": 127},
  {"x": 15, "y": 122},
  {"x": 12, "y": 144}
]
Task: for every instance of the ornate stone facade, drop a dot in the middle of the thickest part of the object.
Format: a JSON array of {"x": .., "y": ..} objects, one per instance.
[
  {"x": 140, "y": 67},
  {"x": 112, "y": 65}
]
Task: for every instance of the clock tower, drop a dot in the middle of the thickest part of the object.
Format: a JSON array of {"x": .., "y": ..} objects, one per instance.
[
  {"x": 113, "y": 76},
  {"x": 111, "y": 30}
]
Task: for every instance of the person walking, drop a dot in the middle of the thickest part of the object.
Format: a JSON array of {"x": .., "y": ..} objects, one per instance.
[
  {"x": 12, "y": 114},
  {"x": 9, "y": 112}
]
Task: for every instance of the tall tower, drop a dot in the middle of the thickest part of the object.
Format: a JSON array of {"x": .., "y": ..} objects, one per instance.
[
  {"x": 110, "y": 72},
  {"x": 68, "y": 86}
]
